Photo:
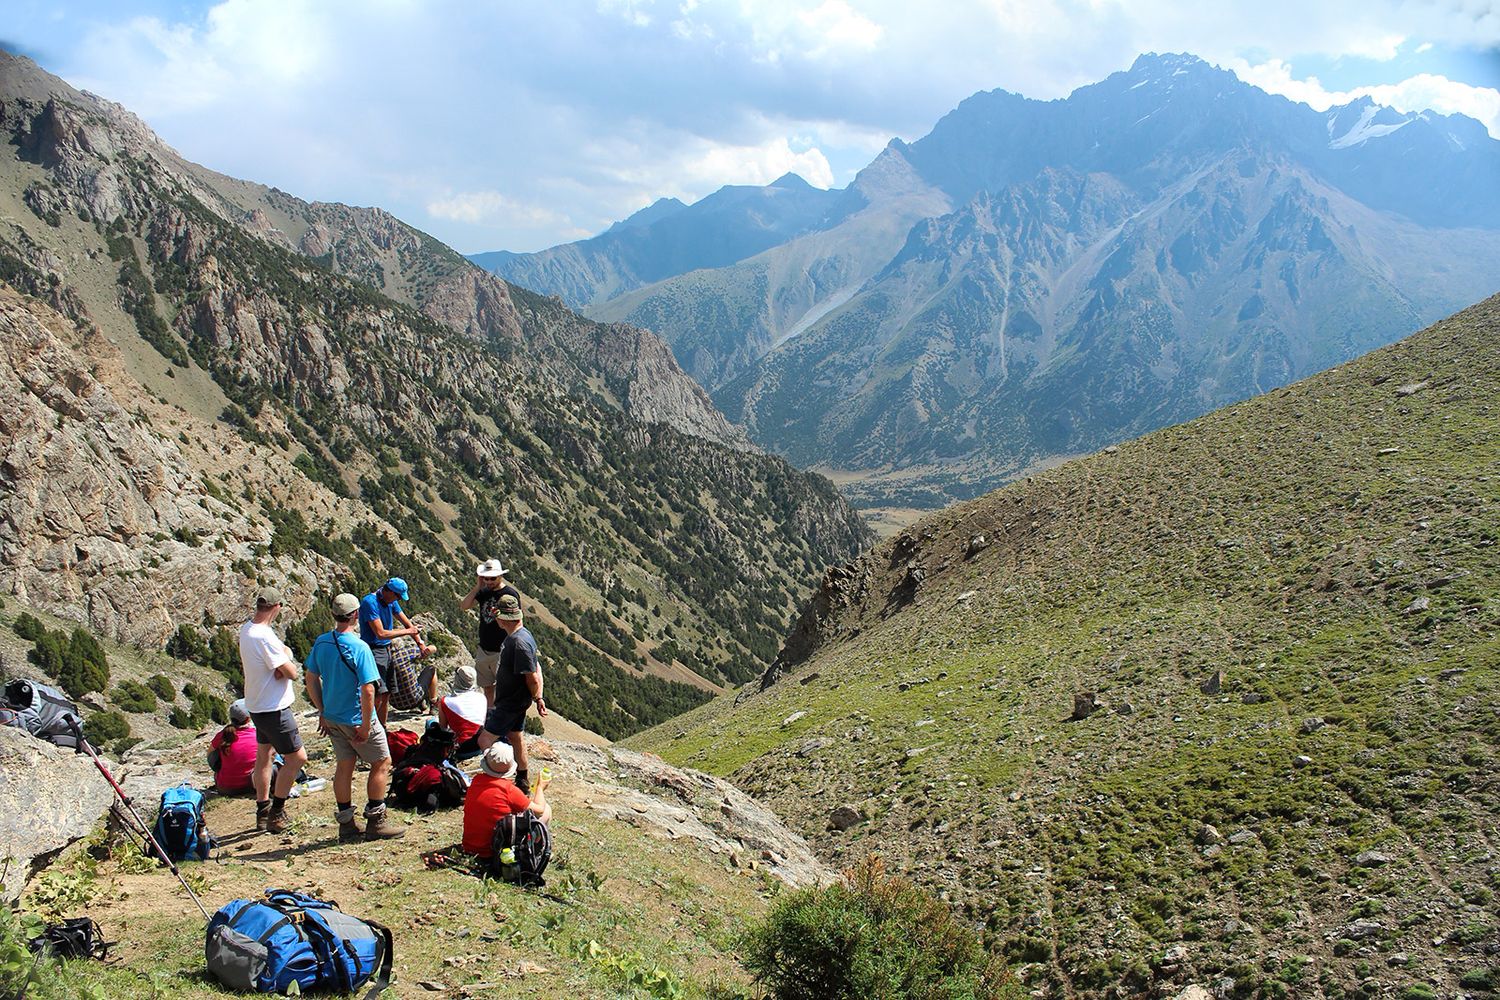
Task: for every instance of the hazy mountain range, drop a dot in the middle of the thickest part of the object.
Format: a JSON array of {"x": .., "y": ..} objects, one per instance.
[{"x": 1040, "y": 278}]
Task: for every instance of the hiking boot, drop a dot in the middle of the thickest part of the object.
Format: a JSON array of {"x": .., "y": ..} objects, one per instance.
[
  {"x": 350, "y": 831},
  {"x": 260, "y": 821},
  {"x": 276, "y": 820},
  {"x": 381, "y": 827}
]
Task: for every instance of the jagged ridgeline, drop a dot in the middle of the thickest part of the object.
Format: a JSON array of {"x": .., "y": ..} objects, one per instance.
[
  {"x": 1214, "y": 706},
  {"x": 319, "y": 396}
]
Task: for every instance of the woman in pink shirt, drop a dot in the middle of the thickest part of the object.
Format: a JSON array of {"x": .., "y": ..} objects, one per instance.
[{"x": 232, "y": 752}]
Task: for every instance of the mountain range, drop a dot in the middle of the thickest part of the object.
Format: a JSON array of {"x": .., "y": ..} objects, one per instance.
[
  {"x": 214, "y": 385},
  {"x": 1035, "y": 279}
]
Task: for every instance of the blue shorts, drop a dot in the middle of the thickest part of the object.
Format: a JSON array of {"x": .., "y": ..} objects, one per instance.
[{"x": 506, "y": 718}]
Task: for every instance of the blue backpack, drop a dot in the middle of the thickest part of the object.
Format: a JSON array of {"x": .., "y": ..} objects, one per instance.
[
  {"x": 264, "y": 946},
  {"x": 179, "y": 825}
]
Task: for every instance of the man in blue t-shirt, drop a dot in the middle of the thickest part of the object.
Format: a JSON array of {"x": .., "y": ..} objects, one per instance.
[
  {"x": 378, "y": 614},
  {"x": 341, "y": 682}
]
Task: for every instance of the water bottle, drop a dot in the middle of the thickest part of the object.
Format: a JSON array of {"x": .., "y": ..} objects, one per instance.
[{"x": 507, "y": 855}]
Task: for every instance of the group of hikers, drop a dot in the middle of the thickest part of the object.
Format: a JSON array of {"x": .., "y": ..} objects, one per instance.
[{"x": 348, "y": 676}]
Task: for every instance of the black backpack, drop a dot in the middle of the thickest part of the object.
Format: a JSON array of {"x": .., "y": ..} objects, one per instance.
[
  {"x": 44, "y": 712},
  {"x": 76, "y": 938},
  {"x": 526, "y": 838}
]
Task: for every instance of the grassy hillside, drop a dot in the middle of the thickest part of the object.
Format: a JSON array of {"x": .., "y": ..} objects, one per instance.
[{"x": 1292, "y": 610}]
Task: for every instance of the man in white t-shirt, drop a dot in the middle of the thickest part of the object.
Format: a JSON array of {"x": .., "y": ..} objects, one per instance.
[{"x": 269, "y": 673}]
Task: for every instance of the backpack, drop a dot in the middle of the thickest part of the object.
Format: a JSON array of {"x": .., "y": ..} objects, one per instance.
[
  {"x": 266, "y": 945},
  {"x": 76, "y": 938},
  {"x": 179, "y": 826},
  {"x": 400, "y": 742},
  {"x": 44, "y": 712},
  {"x": 407, "y": 690},
  {"x": 425, "y": 787},
  {"x": 528, "y": 838}
]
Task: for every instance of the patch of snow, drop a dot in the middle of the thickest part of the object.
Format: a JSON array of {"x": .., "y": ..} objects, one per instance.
[
  {"x": 1138, "y": 86},
  {"x": 1142, "y": 118},
  {"x": 1364, "y": 131}
]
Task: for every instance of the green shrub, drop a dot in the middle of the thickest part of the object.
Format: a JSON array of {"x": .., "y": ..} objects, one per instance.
[
  {"x": 162, "y": 687},
  {"x": 133, "y": 696},
  {"x": 1479, "y": 979},
  {"x": 203, "y": 708},
  {"x": 533, "y": 726},
  {"x": 27, "y": 627},
  {"x": 871, "y": 936},
  {"x": 104, "y": 728}
]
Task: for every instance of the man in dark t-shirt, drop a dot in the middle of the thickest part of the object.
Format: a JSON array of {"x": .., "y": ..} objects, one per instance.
[
  {"x": 489, "y": 588},
  {"x": 518, "y": 683}
]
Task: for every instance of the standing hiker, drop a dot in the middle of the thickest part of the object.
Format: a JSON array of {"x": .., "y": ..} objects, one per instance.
[
  {"x": 269, "y": 672},
  {"x": 378, "y": 614},
  {"x": 518, "y": 684},
  {"x": 341, "y": 682},
  {"x": 489, "y": 588}
]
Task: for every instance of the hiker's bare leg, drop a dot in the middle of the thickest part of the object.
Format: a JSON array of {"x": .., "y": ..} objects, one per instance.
[
  {"x": 260, "y": 778},
  {"x": 291, "y": 766},
  {"x": 343, "y": 780},
  {"x": 379, "y": 780},
  {"x": 518, "y": 744}
]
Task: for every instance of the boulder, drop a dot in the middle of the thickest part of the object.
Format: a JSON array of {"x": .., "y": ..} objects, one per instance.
[
  {"x": 844, "y": 817},
  {"x": 1213, "y": 683},
  {"x": 1312, "y": 725},
  {"x": 1085, "y": 703},
  {"x": 1209, "y": 834},
  {"x": 49, "y": 798},
  {"x": 1194, "y": 992}
]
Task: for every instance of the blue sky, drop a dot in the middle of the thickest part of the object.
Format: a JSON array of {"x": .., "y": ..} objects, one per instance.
[{"x": 516, "y": 124}]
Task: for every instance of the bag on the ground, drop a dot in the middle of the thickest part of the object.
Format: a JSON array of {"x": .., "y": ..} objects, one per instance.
[
  {"x": 43, "y": 711},
  {"x": 407, "y": 690},
  {"x": 264, "y": 946},
  {"x": 180, "y": 829},
  {"x": 79, "y": 937},
  {"x": 400, "y": 742},
  {"x": 425, "y": 787},
  {"x": 522, "y": 847}
]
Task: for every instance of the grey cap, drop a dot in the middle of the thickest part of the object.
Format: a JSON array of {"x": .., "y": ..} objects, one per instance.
[
  {"x": 345, "y": 605},
  {"x": 464, "y": 679},
  {"x": 267, "y": 596},
  {"x": 238, "y": 713}
]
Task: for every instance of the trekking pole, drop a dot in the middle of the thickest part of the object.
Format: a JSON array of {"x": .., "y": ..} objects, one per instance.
[{"x": 141, "y": 828}]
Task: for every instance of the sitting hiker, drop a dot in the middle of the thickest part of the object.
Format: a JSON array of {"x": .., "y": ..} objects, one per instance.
[
  {"x": 341, "y": 679},
  {"x": 464, "y": 710},
  {"x": 378, "y": 614},
  {"x": 232, "y": 753},
  {"x": 493, "y": 794}
]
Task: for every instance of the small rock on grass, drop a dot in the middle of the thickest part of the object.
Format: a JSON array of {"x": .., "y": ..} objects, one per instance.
[
  {"x": 844, "y": 817},
  {"x": 1194, "y": 992},
  {"x": 1312, "y": 725},
  {"x": 1418, "y": 605},
  {"x": 1371, "y": 859}
]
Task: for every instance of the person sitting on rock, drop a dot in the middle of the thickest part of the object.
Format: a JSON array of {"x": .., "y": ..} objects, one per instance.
[
  {"x": 493, "y": 794},
  {"x": 341, "y": 679},
  {"x": 463, "y": 710},
  {"x": 378, "y": 614},
  {"x": 231, "y": 755}
]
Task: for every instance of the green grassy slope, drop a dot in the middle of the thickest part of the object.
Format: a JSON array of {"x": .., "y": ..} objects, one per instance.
[{"x": 1331, "y": 547}]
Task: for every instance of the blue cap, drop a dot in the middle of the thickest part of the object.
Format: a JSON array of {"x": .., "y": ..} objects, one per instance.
[{"x": 398, "y": 587}]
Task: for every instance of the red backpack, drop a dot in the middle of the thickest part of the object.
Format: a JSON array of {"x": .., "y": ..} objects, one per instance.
[{"x": 400, "y": 741}]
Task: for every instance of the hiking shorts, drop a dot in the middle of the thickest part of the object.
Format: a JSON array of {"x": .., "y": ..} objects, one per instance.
[
  {"x": 506, "y": 718},
  {"x": 278, "y": 730},
  {"x": 382, "y": 667},
  {"x": 486, "y": 666},
  {"x": 372, "y": 751}
]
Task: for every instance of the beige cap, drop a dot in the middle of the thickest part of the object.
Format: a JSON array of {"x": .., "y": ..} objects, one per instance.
[{"x": 345, "y": 605}]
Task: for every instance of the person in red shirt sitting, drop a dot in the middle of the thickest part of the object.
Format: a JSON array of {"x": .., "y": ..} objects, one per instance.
[
  {"x": 464, "y": 710},
  {"x": 493, "y": 794},
  {"x": 232, "y": 752}
]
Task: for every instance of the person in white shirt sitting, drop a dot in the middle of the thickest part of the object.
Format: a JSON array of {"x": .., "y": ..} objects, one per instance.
[{"x": 463, "y": 710}]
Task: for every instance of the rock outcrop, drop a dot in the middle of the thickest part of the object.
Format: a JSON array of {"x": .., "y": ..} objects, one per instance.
[{"x": 49, "y": 797}]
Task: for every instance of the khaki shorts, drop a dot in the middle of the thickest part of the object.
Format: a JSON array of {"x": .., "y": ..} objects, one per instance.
[
  {"x": 486, "y": 665},
  {"x": 372, "y": 751}
]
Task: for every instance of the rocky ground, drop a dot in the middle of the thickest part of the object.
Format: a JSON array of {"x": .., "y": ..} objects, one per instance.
[{"x": 655, "y": 871}]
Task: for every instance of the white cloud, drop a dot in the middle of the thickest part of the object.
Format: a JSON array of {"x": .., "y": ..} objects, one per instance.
[
  {"x": 491, "y": 206},
  {"x": 514, "y": 124},
  {"x": 1423, "y": 92}
]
